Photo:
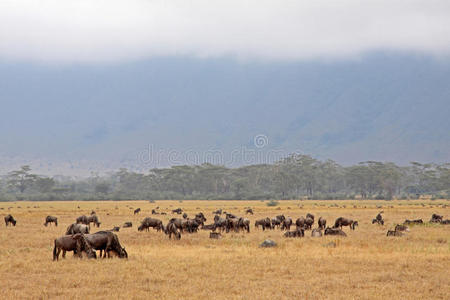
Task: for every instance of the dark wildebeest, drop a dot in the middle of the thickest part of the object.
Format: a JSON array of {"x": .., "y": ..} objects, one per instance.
[
  {"x": 394, "y": 233},
  {"x": 77, "y": 228},
  {"x": 209, "y": 227},
  {"x": 378, "y": 219},
  {"x": 413, "y": 222},
  {"x": 51, "y": 219},
  {"x": 170, "y": 229},
  {"x": 137, "y": 210},
  {"x": 334, "y": 231},
  {"x": 445, "y": 222},
  {"x": 106, "y": 241},
  {"x": 200, "y": 218},
  {"x": 299, "y": 232},
  {"x": 191, "y": 225},
  {"x": 127, "y": 225},
  {"x": 76, "y": 243},
  {"x": 401, "y": 228},
  {"x": 435, "y": 218},
  {"x": 218, "y": 212},
  {"x": 322, "y": 223},
  {"x": 264, "y": 223},
  {"x": 316, "y": 232},
  {"x": 177, "y": 211},
  {"x": 244, "y": 224},
  {"x": 308, "y": 215},
  {"x": 185, "y": 216},
  {"x": 232, "y": 224},
  {"x": 92, "y": 212},
  {"x": 10, "y": 220},
  {"x": 154, "y": 212},
  {"x": 82, "y": 220},
  {"x": 309, "y": 222},
  {"x": 341, "y": 221},
  {"x": 249, "y": 211},
  {"x": 179, "y": 223},
  {"x": 220, "y": 222},
  {"x": 215, "y": 235},
  {"x": 286, "y": 224},
  {"x": 300, "y": 222},
  {"x": 275, "y": 222},
  {"x": 230, "y": 216},
  {"x": 150, "y": 222},
  {"x": 93, "y": 219},
  {"x": 115, "y": 228}
]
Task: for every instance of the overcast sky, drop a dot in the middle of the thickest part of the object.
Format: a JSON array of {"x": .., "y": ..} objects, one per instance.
[{"x": 90, "y": 31}]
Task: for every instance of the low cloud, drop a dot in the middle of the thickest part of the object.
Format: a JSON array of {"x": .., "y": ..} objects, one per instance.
[{"x": 86, "y": 31}]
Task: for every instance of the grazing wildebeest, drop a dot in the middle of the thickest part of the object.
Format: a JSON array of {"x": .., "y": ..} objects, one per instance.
[
  {"x": 309, "y": 222},
  {"x": 249, "y": 211},
  {"x": 215, "y": 235},
  {"x": 435, "y": 218},
  {"x": 51, "y": 219},
  {"x": 93, "y": 219},
  {"x": 308, "y": 215},
  {"x": 316, "y": 232},
  {"x": 401, "y": 228},
  {"x": 137, "y": 210},
  {"x": 154, "y": 212},
  {"x": 77, "y": 228},
  {"x": 177, "y": 211},
  {"x": 127, "y": 225},
  {"x": 150, "y": 222},
  {"x": 170, "y": 229},
  {"x": 209, "y": 227},
  {"x": 76, "y": 243},
  {"x": 92, "y": 212},
  {"x": 106, "y": 241},
  {"x": 218, "y": 212},
  {"x": 286, "y": 224},
  {"x": 9, "y": 219},
  {"x": 190, "y": 225},
  {"x": 299, "y": 232},
  {"x": 264, "y": 223},
  {"x": 200, "y": 218},
  {"x": 185, "y": 215},
  {"x": 445, "y": 222},
  {"x": 230, "y": 216},
  {"x": 179, "y": 223},
  {"x": 163, "y": 213},
  {"x": 275, "y": 222},
  {"x": 394, "y": 233},
  {"x": 322, "y": 223},
  {"x": 378, "y": 219},
  {"x": 232, "y": 224},
  {"x": 413, "y": 222},
  {"x": 300, "y": 222},
  {"x": 334, "y": 231},
  {"x": 341, "y": 221}
]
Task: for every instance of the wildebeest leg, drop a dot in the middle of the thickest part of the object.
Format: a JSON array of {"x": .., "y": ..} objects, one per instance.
[{"x": 64, "y": 254}]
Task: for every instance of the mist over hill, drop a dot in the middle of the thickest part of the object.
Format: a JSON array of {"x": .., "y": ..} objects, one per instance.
[{"x": 80, "y": 118}]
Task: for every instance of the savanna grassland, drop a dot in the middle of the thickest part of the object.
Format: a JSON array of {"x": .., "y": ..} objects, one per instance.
[{"x": 364, "y": 265}]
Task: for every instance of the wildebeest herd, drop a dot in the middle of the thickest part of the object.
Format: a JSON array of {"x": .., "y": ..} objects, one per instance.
[{"x": 78, "y": 238}]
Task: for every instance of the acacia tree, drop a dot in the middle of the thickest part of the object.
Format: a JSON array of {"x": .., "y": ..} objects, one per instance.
[{"x": 21, "y": 179}]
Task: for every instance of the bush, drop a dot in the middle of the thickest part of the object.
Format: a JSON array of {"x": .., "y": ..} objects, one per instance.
[{"x": 272, "y": 203}]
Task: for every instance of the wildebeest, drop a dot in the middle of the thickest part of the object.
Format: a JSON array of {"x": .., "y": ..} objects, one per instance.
[
  {"x": 200, "y": 218},
  {"x": 76, "y": 243},
  {"x": 93, "y": 219},
  {"x": 309, "y": 222},
  {"x": 244, "y": 224},
  {"x": 170, "y": 229},
  {"x": 215, "y": 235},
  {"x": 154, "y": 212},
  {"x": 220, "y": 222},
  {"x": 185, "y": 215},
  {"x": 334, "y": 231},
  {"x": 299, "y": 232},
  {"x": 106, "y": 241},
  {"x": 150, "y": 222},
  {"x": 77, "y": 228},
  {"x": 316, "y": 232},
  {"x": 177, "y": 211},
  {"x": 264, "y": 223},
  {"x": 308, "y": 215},
  {"x": 249, "y": 211},
  {"x": 286, "y": 224},
  {"x": 82, "y": 220},
  {"x": 51, "y": 219},
  {"x": 115, "y": 228},
  {"x": 322, "y": 223},
  {"x": 413, "y": 222},
  {"x": 190, "y": 225},
  {"x": 378, "y": 219},
  {"x": 435, "y": 218},
  {"x": 137, "y": 210},
  {"x": 127, "y": 225},
  {"x": 218, "y": 212},
  {"x": 9, "y": 219},
  {"x": 445, "y": 222},
  {"x": 401, "y": 228},
  {"x": 209, "y": 227},
  {"x": 92, "y": 212},
  {"x": 394, "y": 233},
  {"x": 341, "y": 221},
  {"x": 300, "y": 222}
]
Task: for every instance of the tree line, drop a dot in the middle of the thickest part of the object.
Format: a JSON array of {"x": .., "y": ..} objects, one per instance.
[{"x": 294, "y": 177}]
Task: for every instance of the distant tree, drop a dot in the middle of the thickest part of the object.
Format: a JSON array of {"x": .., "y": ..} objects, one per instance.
[
  {"x": 44, "y": 184},
  {"x": 102, "y": 188},
  {"x": 21, "y": 179}
]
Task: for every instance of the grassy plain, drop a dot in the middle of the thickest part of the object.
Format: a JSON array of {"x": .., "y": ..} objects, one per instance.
[{"x": 364, "y": 265}]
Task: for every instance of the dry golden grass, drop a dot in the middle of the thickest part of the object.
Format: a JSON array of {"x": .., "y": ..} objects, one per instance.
[{"x": 365, "y": 265}]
